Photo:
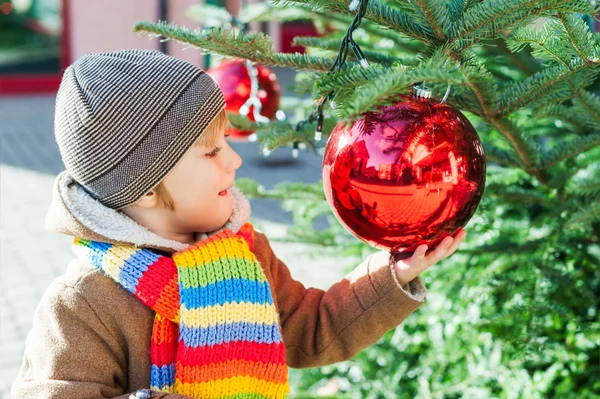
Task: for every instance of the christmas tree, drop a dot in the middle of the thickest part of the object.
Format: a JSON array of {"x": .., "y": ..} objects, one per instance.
[{"x": 514, "y": 314}]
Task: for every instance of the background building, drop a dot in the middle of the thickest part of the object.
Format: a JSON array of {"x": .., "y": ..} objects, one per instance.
[{"x": 39, "y": 38}]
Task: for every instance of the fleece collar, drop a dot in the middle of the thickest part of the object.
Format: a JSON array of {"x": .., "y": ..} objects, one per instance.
[{"x": 75, "y": 212}]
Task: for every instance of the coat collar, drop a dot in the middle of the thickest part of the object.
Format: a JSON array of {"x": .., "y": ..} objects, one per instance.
[{"x": 75, "y": 212}]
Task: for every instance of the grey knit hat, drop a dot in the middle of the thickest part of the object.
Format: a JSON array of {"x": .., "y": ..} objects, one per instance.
[{"x": 124, "y": 119}]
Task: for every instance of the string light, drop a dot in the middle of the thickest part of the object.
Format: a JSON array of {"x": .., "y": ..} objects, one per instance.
[{"x": 347, "y": 43}]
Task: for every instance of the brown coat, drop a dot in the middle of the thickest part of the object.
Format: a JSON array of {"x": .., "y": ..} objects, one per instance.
[{"x": 91, "y": 338}]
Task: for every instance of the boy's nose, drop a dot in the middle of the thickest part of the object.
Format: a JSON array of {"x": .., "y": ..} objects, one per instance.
[{"x": 234, "y": 161}]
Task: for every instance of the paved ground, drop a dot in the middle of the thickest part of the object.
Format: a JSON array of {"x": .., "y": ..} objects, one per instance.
[{"x": 30, "y": 257}]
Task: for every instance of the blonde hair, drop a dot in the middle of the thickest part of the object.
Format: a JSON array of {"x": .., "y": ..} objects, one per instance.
[{"x": 207, "y": 139}]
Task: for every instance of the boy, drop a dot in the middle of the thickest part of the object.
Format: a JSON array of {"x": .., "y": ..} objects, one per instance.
[{"x": 172, "y": 294}]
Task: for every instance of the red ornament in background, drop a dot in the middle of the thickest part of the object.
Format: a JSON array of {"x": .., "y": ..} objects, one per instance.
[
  {"x": 234, "y": 80},
  {"x": 410, "y": 175}
]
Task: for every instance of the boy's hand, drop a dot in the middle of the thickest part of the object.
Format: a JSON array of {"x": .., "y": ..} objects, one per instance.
[{"x": 408, "y": 269}]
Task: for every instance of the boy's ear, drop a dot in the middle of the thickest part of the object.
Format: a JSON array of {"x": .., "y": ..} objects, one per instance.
[{"x": 149, "y": 200}]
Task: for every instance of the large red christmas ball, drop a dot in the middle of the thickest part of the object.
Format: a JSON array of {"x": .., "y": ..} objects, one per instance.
[
  {"x": 410, "y": 174},
  {"x": 234, "y": 80}
]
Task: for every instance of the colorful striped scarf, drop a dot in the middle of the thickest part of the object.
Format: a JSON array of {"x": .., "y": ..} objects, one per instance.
[{"x": 216, "y": 332}]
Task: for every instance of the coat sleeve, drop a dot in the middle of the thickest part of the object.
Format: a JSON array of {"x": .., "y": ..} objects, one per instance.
[
  {"x": 325, "y": 327},
  {"x": 70, "y": 353}
]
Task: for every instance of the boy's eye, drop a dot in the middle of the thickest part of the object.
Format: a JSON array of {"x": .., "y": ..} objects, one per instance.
[{"x": 213, "y": 153}]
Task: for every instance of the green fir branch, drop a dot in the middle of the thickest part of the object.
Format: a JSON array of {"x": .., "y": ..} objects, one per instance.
[
  {"x": 589, "y": 190},
  {"x": 456, "y": 9},
  {"x": 524, "y": 93},
  {"x": 250, "y": 187},
  {"x": 523, "y": 148},
  {"x": 586, "y": 182},
  {"x": 587, "y": 78},
  {"x": 522, "y": 60},
  {"x": 241, "y": 122},
  {"x": 568, "y": 42},
  {"x": 329, "y": 43},
  {"x": 463, "y": 100},
  {"x": 410, "y": 25},
  {"x": 401, "y": 41},
  {"x": 488, "y": 19},
  {"x": 256, "y": 47},
  {"x": 586, "y": 107},
  {"x": 570, "y": 149},
  {"x": 283, "y": 191},
  {"x": 370, "y": 54},
  {"x": 302, "y": 61},
  {"x": 305, "y": 81},
  {"x": 581, "y": 38},
  {"x": 275, "y": 134},
  {"x": 387, "y": 88},
  {"x": 380, "y": 13},
  {"x": 548, "y": 127},
  {"x": 466, "y": 4},
  {"x": 584, "y": 216},
  {"x": 479, "y": 79},
  {"x": 501, "y": 175},
  {"x": 557, "y": 94},
  {"x": 500, "y": 156},
  {"x": 552, "y": 43},
  {"x": 228, "y": 42},
  {"x": 561, "y": 112},
  {"x": 516, "y": 194},
  {"x": 505, "y": 247},
  {"x": 591, "y": 157},
  {"x": 437, "y": 15},
  {"x": 547, "y": 43},
  {"x": 349, "y": 79}
]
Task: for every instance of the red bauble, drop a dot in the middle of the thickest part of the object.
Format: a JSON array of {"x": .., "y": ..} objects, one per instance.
[
  {"x": 234, "y": 80},
  {"x": 411, "y": 174}
]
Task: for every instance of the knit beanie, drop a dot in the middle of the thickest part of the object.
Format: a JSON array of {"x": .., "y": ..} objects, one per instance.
[{"x": 124, "y": 119}]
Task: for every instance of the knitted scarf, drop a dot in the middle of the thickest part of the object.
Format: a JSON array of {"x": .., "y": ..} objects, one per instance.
[{"x": 216, "y": 332}]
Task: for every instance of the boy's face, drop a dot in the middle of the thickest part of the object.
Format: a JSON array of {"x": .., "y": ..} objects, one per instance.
[{"x": 199, "y": 187}]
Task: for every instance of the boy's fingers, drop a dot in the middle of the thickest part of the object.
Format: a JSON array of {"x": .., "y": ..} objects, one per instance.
[
  {"x": 440, "y": 252},
  {"x": 447, "y": 247},
  {"x": 421, "y": 249},
  {"x": 418, "y": 257},
  {"x": 459, "y": 232},
  {"x": 458, "y": 239}
]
